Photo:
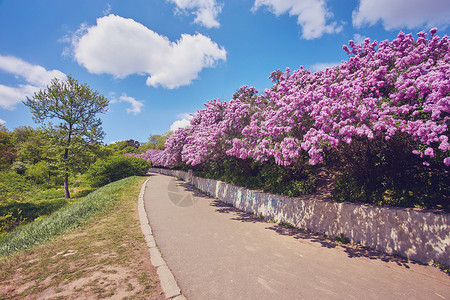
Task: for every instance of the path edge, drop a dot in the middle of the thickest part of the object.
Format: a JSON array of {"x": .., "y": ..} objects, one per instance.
[{"x": 168, "y": 283}]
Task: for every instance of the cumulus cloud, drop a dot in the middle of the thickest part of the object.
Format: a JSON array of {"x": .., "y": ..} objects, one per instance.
[
  {"x": 184, "y": 121},
  {"x": 312, "y": 15},
  {"x": 121, "y": 47},
  {"x": 136, "y": 105},
  {"x": 35, "y": 76},
  {"x": 402, "y": 13},
  {"x": 206, "y": 11},
  {"x": 2, "y": 122}
]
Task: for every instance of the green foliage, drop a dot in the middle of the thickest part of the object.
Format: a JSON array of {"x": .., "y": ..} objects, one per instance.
[
  {"x": 75, "y": 107},
  {"x": 21, "y": 201},
  {"x": 155, "y": 141},
  {"x": 443, "y": 267},
  {"x": 388, "y": 173},
  {"x": 286, "y": 224},
  {"x": 39, "y": 173},
  {"x": 82, "y": 154},
  {"x": 19, "y": 167},
  {"x": 14, "y": 187},
  {"x": 16, "y": 213},
  {"x": 342, "y": 239},
  {"x": 10, "y": 220},
  {"x": 122, "y": 147},
  {"x": 114, "y": 168},
  {"x": 7, "y": 151},
  {"x": 291, "y": 181},
  {"x": 31, "y": 144},
  {"x": 128, "y": 149},
  {"x": 64, "y": 219}
]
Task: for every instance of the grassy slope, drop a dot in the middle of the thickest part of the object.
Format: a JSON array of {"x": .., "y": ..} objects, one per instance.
[
  {"x": 26, "y": 201},
  {"x": 106, "y": 256}
]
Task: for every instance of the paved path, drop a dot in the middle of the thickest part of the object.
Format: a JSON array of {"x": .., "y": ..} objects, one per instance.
[{"x": 218, "y": 252}]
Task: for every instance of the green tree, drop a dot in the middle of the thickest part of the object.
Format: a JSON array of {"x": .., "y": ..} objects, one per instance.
[
  {"x": 122, "y": 147},
  {"x": 155, "y": 141},
  {"x": 7, "y": 150},
  {"x": 31, "y": 144},
  {"x": 74, "y": 107}
]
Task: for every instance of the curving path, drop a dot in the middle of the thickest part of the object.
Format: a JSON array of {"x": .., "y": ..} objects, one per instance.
[{"x": 218, "y": 252}]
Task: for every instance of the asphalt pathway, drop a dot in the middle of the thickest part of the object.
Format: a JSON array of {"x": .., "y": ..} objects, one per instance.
[{"x": 218, "y": 252}]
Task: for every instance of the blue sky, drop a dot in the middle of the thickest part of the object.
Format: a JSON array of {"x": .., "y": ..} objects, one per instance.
[{"x": 158, "y": 61}]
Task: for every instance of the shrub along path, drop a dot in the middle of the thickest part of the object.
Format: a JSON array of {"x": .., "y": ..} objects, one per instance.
[{"x": 218, "y": 252}]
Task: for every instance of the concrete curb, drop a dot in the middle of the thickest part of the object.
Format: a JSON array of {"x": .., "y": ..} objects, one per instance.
[{"x": 168, "y": 282}]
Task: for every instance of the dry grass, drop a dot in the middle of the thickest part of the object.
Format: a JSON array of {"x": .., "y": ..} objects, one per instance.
[{"x": 105, "y": 258}]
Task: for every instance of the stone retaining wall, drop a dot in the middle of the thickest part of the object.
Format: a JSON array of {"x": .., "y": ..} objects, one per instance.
[{"x": 419, "y": 235}]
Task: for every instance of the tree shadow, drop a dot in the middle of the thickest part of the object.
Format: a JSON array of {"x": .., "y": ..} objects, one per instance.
[
  {"x": 242, "y": 216},
  {"x": 27, "y": 212},
  {"x": 190, "y": 188},
  {"x": 352, "y": 250}
]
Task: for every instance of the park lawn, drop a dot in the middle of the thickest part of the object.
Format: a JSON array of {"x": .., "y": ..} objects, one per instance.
[{"x": 106, "y": 256}]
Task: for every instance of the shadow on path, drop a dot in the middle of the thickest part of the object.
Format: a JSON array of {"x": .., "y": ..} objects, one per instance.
[{"x": 352, "y": 250}]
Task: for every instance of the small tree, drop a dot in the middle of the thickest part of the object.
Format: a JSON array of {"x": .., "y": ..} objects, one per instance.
[
  {"x": 75, "y": 106},
  {"x": 31, "y": 144},
  {"x": 155, "y": 141},
  {"x": 7, "y": 151}
]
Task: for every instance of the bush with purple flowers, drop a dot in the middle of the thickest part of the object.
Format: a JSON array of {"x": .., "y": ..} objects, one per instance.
[{"x": 379, "y": 120}]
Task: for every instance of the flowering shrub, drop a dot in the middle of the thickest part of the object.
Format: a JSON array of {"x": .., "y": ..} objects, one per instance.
[
  {"x": 383, "y": 89},
  {"x": 387, "y": 107}
]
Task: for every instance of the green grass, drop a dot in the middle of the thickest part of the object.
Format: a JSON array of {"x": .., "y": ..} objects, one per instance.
[
  {"x": 443, "y": 267},
  {"x": 104, "y": 257},
  {"x": 342, "y": 239},
  {"x": 66, "y": 218},
  {"x": 286, "y": 224},
  {"x": 22, "y": 201}
]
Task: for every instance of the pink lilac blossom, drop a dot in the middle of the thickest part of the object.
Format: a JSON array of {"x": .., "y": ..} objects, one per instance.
[{"x": 383, "y": 89}]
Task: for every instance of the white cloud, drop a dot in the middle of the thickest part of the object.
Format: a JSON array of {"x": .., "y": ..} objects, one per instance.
[
  {"x": 2, "y": 122},
  {"x": 312, "y": 15},
  {"x": 321, "y": 66},
  {"x": 358, "y": 38},
  {"x": 136, "y": 105},
  {"x": 72, "y": 39},
  {"x": 205, "y": 11},
  {"x": 122, "y": 47},
  {"x": 185, "y": 120},
  {"x": 36, "y": 78},
  {"x": 33, "y": 74},
  {"x": 403, "y": 13}
]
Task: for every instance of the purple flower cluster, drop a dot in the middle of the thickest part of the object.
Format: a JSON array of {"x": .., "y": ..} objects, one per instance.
[
  {"x": 383, "y": 89},
  {"x": 152, "y": 155}
]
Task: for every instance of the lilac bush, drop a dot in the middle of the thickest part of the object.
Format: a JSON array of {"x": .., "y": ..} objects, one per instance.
[
  {"x": 384, "y": 88},
  {"x": 386, "y": 91}
]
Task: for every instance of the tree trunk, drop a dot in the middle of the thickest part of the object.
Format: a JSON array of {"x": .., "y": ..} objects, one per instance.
[
  {"x": 66, "y": 174},
  {"x": 66, "y": 185}
]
